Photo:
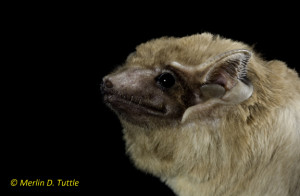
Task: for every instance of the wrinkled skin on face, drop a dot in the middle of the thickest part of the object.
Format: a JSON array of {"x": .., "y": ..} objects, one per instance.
[{"x": 136, "y": 95}]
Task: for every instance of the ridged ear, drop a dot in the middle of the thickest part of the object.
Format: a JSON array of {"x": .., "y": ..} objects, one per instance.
[
  {"x": 221, "y": 79},
  {"x": 228, "y": 71}
]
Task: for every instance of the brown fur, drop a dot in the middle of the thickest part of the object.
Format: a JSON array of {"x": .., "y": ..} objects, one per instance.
[{"x": 251, "y": 148}]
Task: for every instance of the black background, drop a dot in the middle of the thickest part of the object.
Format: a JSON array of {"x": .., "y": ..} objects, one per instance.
[{"x": 55, "y": 124}]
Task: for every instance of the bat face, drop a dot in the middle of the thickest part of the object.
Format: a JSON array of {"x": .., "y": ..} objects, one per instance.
[
  {"x": 159, "y": 85},
  {"x": 142, "y": 95}
]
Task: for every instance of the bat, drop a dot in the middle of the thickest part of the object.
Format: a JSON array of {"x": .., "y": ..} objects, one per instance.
[{"x": 208, "y": 116}]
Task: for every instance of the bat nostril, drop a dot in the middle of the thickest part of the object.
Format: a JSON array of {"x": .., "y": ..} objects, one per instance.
[{"x": 107, "y": 83}]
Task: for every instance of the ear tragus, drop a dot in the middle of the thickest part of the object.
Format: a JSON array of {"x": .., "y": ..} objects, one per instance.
[{"x": 212, "y": 91}]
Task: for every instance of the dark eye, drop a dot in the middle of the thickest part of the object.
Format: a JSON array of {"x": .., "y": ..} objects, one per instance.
[{"x": 166, "y": 80}]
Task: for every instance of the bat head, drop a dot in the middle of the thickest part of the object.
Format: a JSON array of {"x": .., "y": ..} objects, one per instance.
[{"x": 169, "y": 80}]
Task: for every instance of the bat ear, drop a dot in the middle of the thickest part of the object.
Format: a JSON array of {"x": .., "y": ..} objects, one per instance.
[
  {"x": 226, "y": 77},
  {"x": 222, "y": 79}
]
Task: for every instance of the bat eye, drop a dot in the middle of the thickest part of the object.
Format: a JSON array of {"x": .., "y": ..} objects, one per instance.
[{"x": 166, "y": 80}]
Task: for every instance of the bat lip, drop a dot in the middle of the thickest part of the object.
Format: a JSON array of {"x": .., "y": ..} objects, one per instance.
[{"x": 132, "y": 105}]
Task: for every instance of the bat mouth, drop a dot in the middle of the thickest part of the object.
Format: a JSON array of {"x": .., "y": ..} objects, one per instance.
[{"x": 129, "y": 104}]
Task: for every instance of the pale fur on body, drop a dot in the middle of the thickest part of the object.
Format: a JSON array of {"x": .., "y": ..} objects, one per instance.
[{"x": 250, "y": 148}]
